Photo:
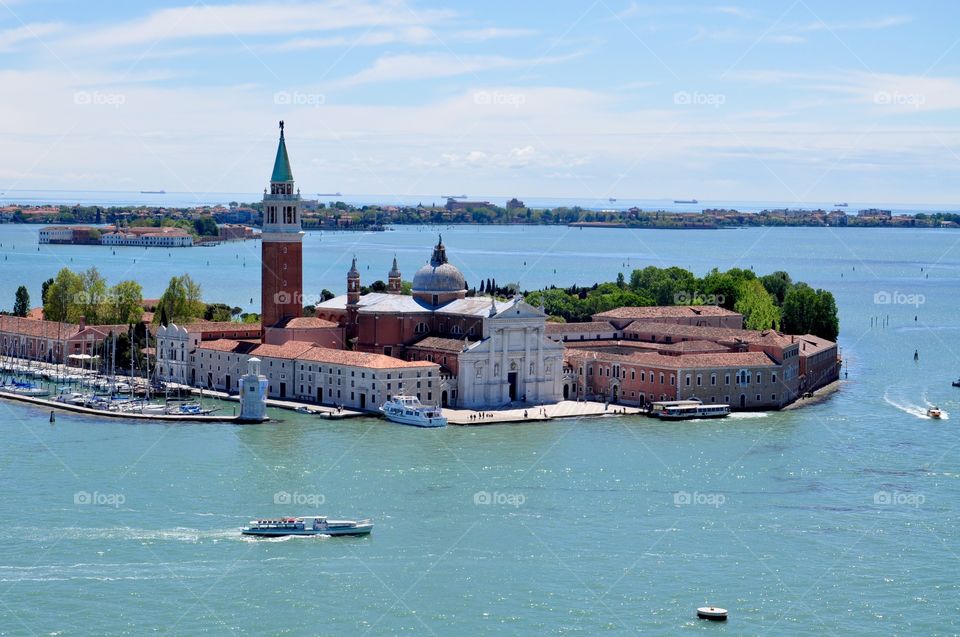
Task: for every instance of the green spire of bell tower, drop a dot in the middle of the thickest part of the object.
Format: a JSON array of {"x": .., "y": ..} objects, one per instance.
[{"x": 281, "y": 166}]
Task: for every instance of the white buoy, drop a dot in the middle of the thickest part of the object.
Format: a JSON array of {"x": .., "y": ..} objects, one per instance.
[{"x": 712, "y": 613}]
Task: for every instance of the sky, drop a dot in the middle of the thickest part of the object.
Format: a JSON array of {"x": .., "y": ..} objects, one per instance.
[{"x": 800, "y": 101}]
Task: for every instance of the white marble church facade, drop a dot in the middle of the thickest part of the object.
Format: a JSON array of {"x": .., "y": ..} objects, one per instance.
[{"x": 514, "y": 361}]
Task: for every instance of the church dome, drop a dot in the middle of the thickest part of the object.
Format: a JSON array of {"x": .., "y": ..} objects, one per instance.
[{"x": 438, "y": 276}]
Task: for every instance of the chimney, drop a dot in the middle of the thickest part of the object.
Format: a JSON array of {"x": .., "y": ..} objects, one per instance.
[{"x": 83, "y": 322}]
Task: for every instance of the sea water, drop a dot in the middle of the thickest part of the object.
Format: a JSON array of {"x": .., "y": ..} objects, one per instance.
[{"x": 836, "y": 518}]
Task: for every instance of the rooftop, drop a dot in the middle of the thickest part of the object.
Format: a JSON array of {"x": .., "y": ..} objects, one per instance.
[
  {"x": 716, "y": 334},
  {"x": 438, "y": 343},
  {"x": 580, "y": 328},
  {"x": 668, "y": 311}
]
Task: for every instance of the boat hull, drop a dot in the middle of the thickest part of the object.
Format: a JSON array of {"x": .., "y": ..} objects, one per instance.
[
  {"x": 432, "y": 423},
  {"x": 691, "y": 416},
  {"x": 360, "y": 529}
]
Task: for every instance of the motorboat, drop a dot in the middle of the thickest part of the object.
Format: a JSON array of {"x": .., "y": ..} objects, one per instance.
[
  {"x": 956, "y": 383},
  {"x": 934, "y": 412},
  {"x": 307, "y": 525},
  {"x": 408, "y": 410}
]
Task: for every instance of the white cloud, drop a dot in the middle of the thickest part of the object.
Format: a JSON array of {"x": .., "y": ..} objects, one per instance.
[
  {"x": 888, "y": 91},
  {"x": 392, "y": 68},
  {"x": 490, "y": 33},
  {"x": 240, "y": 20},
  {"x": 872, "y": 24},
  {"x": 34, "y": 32}
]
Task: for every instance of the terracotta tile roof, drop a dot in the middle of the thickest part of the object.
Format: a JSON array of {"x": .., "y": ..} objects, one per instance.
[
  {"x": 693, "y": 346},
  {"x": 229, "y": 345},
  {"x": 35, "y": 328},
  {"x": 578, "y": 328},
  {"x": 289, "y": 350},
  {"x": 810, "y": 344},
  {"x": 687, "y": 361},
  {"x": 716, "y": 334},
  {"x": 306, "y": 322},
  {"x": 360, "y": 359},
  {"x": 671, "y": 311},
  {"x": 442, "y": 344},
  {"x": 35, "y": 314},
  {"x": 726, "y": 359},
  {"x": 220, "y": 326}
]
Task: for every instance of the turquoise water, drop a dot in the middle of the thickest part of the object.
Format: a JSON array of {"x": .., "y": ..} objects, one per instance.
[{"x": 838, "y": 518}]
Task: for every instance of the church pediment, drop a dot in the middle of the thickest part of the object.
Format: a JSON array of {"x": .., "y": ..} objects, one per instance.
[{"x": 518, "y": 309}]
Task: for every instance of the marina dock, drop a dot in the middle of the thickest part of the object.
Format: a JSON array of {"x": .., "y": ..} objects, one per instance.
[{"x": 124, "y": 415}]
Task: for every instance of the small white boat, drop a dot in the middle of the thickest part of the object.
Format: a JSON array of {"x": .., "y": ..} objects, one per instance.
[
  {"x": 712, "y": 613},
  {"x": 934, "y": 412},
  {"x": 408, "y": 410},
  {"x": 307, "y": 525}
]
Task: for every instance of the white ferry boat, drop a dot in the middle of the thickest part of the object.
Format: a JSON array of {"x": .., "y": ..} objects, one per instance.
[
  {"x": 307, "y": 525},
  {"x": 408, "y": 410},
  {"x": 687, "y": 409}
]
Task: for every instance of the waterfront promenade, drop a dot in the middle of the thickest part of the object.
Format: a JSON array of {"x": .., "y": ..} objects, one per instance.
[{"x": 534, "y": 413}]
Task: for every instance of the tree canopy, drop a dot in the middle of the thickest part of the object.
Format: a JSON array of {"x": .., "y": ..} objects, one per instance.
[{"x": 771, "y": 301}]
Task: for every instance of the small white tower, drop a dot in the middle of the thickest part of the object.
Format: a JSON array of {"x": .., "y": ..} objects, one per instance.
[{"x": 253, "y": 393}]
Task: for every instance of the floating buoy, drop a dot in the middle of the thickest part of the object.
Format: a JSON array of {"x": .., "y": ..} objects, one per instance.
[
  {"x": 53, "y": 417},
  {"x": 712, "y": 613}
]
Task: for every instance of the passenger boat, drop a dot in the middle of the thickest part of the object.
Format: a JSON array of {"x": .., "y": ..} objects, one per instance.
[
  {"x": 934, "y": 412},
  {"x": 407, "y": 410},
  {"x": 687, "y": 409},
  {"x": 307, "y": 525}
]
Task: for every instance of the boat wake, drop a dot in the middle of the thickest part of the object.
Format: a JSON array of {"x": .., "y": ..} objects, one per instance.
[
  {"x": 906, "y": 407},
  {"x": 125, "y": 533},
  {"x": 745, "y": 415}
]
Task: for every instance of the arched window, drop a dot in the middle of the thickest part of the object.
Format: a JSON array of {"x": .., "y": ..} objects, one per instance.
[
  {"x": 421, "y": 328},
  {"x": 456, "y": 329}
]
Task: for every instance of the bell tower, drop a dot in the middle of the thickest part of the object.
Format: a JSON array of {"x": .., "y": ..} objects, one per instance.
[
  {"x": 353, "y": 299},
  {"x": 394, "y": 280},
  {"x": 281, "y": 283}
]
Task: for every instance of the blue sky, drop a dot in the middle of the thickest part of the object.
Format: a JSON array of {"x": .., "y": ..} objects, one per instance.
[{"x": 802, "y": 101}]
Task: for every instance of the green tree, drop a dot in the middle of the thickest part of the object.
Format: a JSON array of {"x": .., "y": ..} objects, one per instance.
[
  {"x": 220, "y": 312},
  {"x": 826, "y": 322},
  {"x": 799, "y": 309},
  {"x": 43, "y": 291},
  {"x": 777, "y": 284},
  {"x": 182, "y": 301},
  {"x": 126, "y": 303},
  {"x": 757, "y": 306},
  {"x": 22, "y": 303},
  {"x": 205, "y": 226},
  {"x": 92, "y": 301},
  {"x": 62, "y": 297}
]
